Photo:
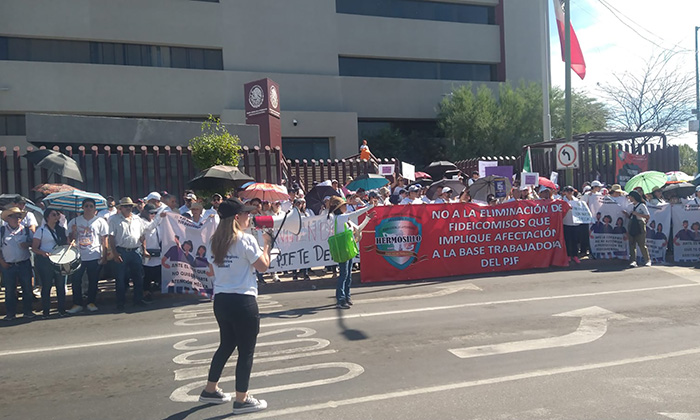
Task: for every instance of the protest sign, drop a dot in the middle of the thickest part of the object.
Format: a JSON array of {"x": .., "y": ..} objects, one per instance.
[
  {"x": 505, "y": 171},
  {"x": 308, "y": 249},
  {"x": 686, "y": 232},
  {"x": 628, "y": 165},
  {"x": 483, "y": 164},
  {"x": 530, "y": 179},
  {"x": 580, "y": 212},
  {"x": 658, "y": 229},
  {"x": 439, "y": 240},
  {"x": 408, "y": 171},
  {"x": 386, "y": 169},
  {"x": 185, "y": 266},
  {"x": 608, "y": 232}
]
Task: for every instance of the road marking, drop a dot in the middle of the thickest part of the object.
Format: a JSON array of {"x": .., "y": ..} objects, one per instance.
[
  {"x": 345, "y": 316},
  {"x": 182, "y": 394},
  {"x": 682, "y": 272},
  {"x": 448, "y": 290},
  {"x": 461, "y": 385},
  {"x": 682, "y": 416},
  {"x": 594, "y": 324}
]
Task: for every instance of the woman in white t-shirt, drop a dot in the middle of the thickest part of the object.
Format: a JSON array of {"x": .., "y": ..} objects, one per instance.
[
  {"x": 234, "y": 254},
  {"x": 46, "y": 238}
]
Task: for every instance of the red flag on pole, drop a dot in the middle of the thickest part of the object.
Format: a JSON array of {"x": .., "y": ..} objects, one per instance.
[{"x": 578, "y": 65}]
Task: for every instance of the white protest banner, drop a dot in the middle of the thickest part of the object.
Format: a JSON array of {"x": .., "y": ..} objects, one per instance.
[
  {"x": 686, "y": 232},
  {"x": 408, "y": 171},
  {"x": 580, "y": 212},
  {"x": 554, "y": 177},
  {"x": 608, "y": 232},
  {"x": 658, "y": 229},
  {"x": 483, "y": 164},
  {"x": 184, "y": 264},
  {"x": 386, "y": 169},
  {"x": 308, "y": 249}
]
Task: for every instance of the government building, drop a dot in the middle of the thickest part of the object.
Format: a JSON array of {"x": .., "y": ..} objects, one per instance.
[{"x": 147, "y": 72}]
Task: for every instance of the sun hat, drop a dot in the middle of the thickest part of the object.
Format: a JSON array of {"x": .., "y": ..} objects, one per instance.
[
  {"x": 191, "y": 196},
  {"x": 615, "y": 187},
  {"x": 586, "y": 188},
  {"x": 446, "y": 190},
  {"x": 232, "y": 206},
  {"x": 328, "y": 197},
  {"x": 596, "y": 183},
  {"x": 12, "y": 210},
  {"x": 125, "y": 201},
  {"x": 335, "y": 203}
]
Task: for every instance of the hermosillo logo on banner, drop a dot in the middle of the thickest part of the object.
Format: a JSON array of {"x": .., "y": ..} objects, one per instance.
[{"x": 398, "y": 240}]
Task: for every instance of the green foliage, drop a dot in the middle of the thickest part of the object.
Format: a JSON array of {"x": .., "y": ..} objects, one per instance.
[
  {"x": 689, "y": 159},
  {"x": 215, "y": 146},
  {"x": 478, "y": 124}
]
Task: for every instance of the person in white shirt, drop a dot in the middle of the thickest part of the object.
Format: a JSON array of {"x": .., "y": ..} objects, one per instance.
[
  {"x": 15, "y": 240},
  {"x": 46, "y": 238},
  {"x": 657, "y": 197},
  {"x": 151, "y": 253},
  {"x": 444, "y": 196},
  {"x": 696, "y": 199},
  {"x": 90, "y": 233},
  {"x": 340, "y": 219},
  {"x": 110, "y": 211},
  {"x": 126, "y": 233},
  {"x": 189, "y": 198},
  {"x": 29, "y": 219},
  {"x": 216, "y": 200},
  {"x": 589, "y": 197},
  {"x": 234, "y": 255},
  {"x": 413, "y": 196},
  {"x": 475, "y": 176},
  {"x": 571, "y": 230}
]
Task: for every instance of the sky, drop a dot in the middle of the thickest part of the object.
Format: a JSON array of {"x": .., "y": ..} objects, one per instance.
[{"x": 611, "y": 47}]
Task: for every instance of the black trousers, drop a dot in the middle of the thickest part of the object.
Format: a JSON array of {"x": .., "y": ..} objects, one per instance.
[
  {"x": 583, "y": 239},
  {"x": 571, "y": 239},
  {"x": 239, "y": 325}
]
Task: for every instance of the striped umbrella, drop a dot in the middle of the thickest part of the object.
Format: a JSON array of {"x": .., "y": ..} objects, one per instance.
[
  {"x": 675, "y": 177},
  {"x": 73, "y": 200},
  {"x": 265, "y": 192}
]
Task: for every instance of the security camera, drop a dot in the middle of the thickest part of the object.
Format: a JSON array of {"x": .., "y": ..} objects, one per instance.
[{"x": 295, "y": 122}]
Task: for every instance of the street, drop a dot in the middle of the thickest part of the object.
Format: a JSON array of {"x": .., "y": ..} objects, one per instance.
[{"x": 597, "y": 342}]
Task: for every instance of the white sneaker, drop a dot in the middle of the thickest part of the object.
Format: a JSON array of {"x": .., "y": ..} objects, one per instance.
[
  {"x": 91, "y": 307},
  {"x": 633, "y": 264},
  {"x": 647, "y": 264},
  {"x": 276, "y": 278},
  {"x": 250, "y": 405},
  {"x": 75, "y": 309}
]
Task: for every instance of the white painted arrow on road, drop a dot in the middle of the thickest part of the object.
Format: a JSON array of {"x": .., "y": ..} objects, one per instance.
[
  {"x": 682, "y": 416},
  {"x": 444, "y": 291},
  {"x": 594, "y": 324}
]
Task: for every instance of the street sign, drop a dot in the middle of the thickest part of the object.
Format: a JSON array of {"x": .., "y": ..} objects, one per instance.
[{"x": 567, "y": 155}]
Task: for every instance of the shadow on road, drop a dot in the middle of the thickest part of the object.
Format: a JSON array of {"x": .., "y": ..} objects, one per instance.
[{"x": 183, "y": 414}]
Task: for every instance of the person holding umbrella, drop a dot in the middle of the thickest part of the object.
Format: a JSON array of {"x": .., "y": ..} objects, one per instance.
[
  {"x": 637, "y": 234},
  {"x": 15, "y": 240}
]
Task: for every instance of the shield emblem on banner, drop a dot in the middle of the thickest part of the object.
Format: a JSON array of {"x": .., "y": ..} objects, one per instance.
[{"x": 398, "y": 240}]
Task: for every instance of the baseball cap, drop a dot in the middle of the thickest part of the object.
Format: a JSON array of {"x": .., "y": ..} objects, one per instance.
[
  {"x": 150, "y": 208},
  {"x": 232, "y": 206},
  {"x": 190, "y": 196},
  {"x": 153, "y": 196},
  {"x": 596, "y": 183},
  {"x": 413, "y": 188},
  {"x": 446, "y": 190}
]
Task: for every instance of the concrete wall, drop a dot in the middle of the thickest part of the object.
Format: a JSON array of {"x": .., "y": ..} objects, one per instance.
[
  {"x": 296, "y": 43},
  {"x": 44, "y": 128}
]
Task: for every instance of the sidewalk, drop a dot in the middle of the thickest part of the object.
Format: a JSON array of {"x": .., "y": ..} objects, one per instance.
[{"x": 106, "y": 295}]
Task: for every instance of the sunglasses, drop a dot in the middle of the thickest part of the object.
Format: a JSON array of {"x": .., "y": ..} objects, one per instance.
[{"x": 14, "y": 216}]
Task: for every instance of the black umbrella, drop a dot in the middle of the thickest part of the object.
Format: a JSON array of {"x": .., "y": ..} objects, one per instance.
[
  {"x": 482, "y": 187},
  {"x": 436, "y": 188},
  {"x": 437, "y": 170},
  {"x": 7, "y": 199},
  {"x": 314, "y": 198},
  {"x": 680, "y": 190},
  {"x": 220, "y": 178},
  {"x": 55, "y": 163}
]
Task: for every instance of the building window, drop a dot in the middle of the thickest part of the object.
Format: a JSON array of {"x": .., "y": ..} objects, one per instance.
[
  {"x": 12, "y": 125},
  {"x": 306, "y": 148},
  {"x": 115, "y": 53},
  {"x": 409, "y": 69},
  {"x": 417, "y": 9}
]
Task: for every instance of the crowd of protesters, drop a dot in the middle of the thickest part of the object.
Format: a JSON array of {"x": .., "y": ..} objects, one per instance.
[{"x": 124, "y": 241}]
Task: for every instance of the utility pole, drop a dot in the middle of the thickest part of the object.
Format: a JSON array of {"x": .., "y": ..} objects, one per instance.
[
  {"x": 567, "y": 65},
  {"x": 697, "y": 94}
]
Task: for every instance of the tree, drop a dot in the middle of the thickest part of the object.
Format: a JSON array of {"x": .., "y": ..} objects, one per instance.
[
  {"x": 215, "y": 146},
  {"x": 657, "y": 98},
  {"x": 478, "y": 124},
  {"x": 688, "y": 159}
]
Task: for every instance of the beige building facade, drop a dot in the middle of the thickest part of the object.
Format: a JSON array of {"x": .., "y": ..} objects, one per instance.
[{"x": 338, "y": 63}]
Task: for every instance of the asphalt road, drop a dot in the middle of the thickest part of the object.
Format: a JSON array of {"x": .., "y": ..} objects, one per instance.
[{"x": 593, "y": 343}]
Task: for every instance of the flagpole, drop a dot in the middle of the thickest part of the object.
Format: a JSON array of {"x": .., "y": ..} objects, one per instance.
[
  {"x": 567, "y": 55},
  {"x": 546, "y": 63}
]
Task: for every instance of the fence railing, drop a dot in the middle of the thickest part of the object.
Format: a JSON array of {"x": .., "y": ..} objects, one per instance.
[
  {"x": 598, "y": 162},
  {"x": 135, "y": 171}
]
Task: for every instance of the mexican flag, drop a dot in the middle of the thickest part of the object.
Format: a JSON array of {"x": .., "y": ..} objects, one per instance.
[{"x": 527, "y": 165}]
